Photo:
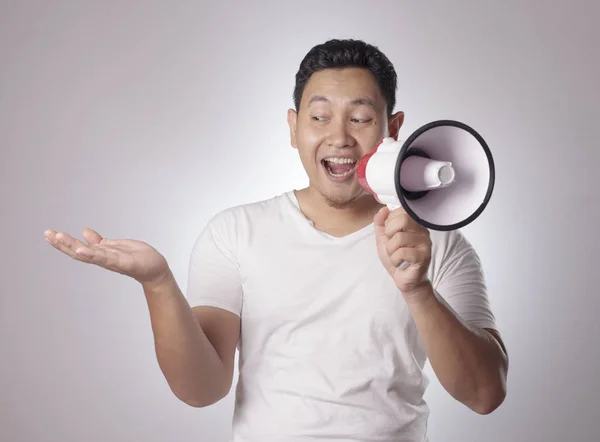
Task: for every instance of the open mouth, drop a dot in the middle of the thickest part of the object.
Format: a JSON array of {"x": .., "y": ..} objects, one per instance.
[{"x": 339, "y": 167}]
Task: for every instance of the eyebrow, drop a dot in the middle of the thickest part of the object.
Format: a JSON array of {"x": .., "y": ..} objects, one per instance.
[
  {"x": 355, "y": 102},
  {"x": 363, "y": 102}
]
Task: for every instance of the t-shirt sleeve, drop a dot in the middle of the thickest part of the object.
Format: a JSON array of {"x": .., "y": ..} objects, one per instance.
[
  {"x": 460, "y": 282},
  {"x": 214, "y": 274}
]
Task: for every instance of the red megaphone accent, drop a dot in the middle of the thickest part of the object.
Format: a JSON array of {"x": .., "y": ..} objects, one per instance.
[{"x": 361, "y": 170}]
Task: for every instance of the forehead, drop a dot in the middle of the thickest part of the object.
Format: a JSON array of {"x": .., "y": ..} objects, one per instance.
[{"x": 343, "y": 85}]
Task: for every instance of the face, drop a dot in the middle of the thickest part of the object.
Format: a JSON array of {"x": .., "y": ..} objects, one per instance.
[{"x": 342, "y": 117}]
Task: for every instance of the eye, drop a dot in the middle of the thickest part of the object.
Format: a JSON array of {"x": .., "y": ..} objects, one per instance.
[
  {"x": 318, "y": 118},
  {"x": 361, "y": 120}
]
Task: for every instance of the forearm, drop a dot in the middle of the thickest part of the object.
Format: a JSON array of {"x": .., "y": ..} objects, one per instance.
[
  {"x": 188, "y": 360},
  {"x": 470, "y": 363}
]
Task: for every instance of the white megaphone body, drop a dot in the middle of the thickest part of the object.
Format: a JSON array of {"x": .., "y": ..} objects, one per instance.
[{"x": 443, "y": 175}]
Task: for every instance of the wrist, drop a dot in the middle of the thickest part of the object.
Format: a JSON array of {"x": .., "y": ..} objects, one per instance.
[
  {"x": 160, "y": 284},
  {"x": 421, "y": 296}
]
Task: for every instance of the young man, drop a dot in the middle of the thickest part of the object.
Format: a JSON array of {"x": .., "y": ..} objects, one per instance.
[{"x": 332, "y": 332}]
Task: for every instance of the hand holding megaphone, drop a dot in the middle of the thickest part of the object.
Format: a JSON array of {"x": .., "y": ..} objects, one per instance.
[
  {"x": 442, "y": 177},
  {"x": 404, "y": 248}
]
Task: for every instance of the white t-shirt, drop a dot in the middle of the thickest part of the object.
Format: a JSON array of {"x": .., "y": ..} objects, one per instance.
[{"x": 328, "y": 350}]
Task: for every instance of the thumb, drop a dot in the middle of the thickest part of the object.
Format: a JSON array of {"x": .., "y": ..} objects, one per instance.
[
  {"x": 379, "y": 220},
  {"x": 91, "y": 236}
]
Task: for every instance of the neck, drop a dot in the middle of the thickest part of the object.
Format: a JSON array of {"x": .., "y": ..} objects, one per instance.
[{"x": 337, "y": 219}]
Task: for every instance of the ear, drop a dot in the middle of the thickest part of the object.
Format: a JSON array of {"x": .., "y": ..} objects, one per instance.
[
  {"x": 292, "y": 118},
  {"x": 394, "y": 124}
]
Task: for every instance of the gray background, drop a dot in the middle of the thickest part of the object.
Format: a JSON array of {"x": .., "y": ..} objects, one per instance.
[{"x": 142, "y": 119}]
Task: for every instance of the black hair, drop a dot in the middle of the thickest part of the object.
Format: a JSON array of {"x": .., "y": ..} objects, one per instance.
[{"x": 337, "y": 54}]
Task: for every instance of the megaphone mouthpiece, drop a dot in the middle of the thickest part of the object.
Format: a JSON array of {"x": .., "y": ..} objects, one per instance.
[{"x": 420, "y": 174}]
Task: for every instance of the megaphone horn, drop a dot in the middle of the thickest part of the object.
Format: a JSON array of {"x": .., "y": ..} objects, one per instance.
[{"x": 443, "y": 175}]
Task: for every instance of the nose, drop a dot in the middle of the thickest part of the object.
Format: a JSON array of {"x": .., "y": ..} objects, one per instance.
[{"x": 339, "y": 136}]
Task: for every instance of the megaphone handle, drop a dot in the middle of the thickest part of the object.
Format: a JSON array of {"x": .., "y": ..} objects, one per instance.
[{"x": 403, "y": 264}]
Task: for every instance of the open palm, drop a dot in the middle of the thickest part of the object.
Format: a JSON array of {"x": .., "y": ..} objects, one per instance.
[{"x": 132, "y": 258}]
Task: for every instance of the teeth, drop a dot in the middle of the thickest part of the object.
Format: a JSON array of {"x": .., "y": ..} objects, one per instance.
[
  {"x": 336, "y": 160},
  {"x": 340, "y": 174},
  {"x": 340, "y": 160}
]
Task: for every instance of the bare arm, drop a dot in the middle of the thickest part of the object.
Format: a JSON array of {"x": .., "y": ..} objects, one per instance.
[
  {"x": 470, "y": 363},
  {"x": 195, "y": 348}
]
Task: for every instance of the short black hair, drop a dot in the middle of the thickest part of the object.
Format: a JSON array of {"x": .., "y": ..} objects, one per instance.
[{"x": 337, "y": 54}]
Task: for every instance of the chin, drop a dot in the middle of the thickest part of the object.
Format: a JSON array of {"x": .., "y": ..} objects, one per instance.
[{"x": 341, "y": 198}]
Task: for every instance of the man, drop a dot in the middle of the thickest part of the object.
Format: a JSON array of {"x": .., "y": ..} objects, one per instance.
[{"x": 332, "y": 332}]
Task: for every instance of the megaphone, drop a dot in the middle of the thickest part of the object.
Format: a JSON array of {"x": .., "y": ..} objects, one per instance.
[{"x": 443, "y": 175}]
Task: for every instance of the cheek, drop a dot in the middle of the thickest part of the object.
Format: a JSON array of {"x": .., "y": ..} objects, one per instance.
[
  {"x": 308, "y": 141},
  {"x": 368, "y": 139},
  {"x": 310, "y": 137}
]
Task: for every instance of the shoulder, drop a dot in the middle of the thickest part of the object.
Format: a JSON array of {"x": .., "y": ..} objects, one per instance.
[
  {"x": 240, "y": 219},
  {"x": 451, "y": 253},
  {"x": 230, "y": 231},
  {"x": 445, "y": 244}
]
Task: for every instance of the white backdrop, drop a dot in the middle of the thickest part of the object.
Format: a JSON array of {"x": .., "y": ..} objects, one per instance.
[{"x": 142, "y": 119}]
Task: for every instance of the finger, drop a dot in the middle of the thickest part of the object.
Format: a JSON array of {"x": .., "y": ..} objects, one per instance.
[
  {"x": 379, "y": 220},
  {"x": 63, "y": 242},
  {"x": 381, "y": 216},
  {"x": 94, "y": 238},
  {"x": 102, "y": 256},
  {"x": 397, "y": 211},
  {"x": 50, "y": 237},
  {"x": 401, "y": 222},
  {"x": 413, "y": 255},
  {"x": 404, "y": 239}
]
